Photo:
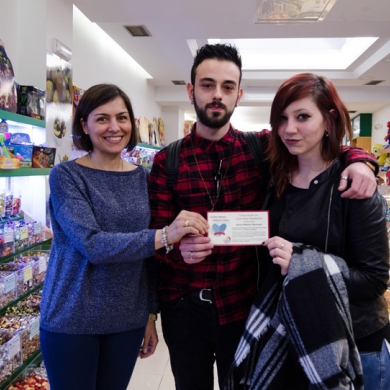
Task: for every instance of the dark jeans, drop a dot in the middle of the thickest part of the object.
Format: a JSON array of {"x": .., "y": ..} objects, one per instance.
[
  {"x": 90, "y": 362},
  {"x": 195, "y": 340}
]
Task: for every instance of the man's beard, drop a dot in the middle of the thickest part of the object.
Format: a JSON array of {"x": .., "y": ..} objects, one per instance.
[{"x": 216, "y": 121}]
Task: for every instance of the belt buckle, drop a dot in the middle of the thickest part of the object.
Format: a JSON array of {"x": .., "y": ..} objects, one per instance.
[{"x": 201, "y": 295}]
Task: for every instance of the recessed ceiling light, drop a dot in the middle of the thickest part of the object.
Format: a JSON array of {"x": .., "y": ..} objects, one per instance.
[
  {"x": 178, "y": 82},
  {"x": 138, "y": 31}
]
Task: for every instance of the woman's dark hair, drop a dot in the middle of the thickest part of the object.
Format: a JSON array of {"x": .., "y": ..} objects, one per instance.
[
  {"x": 92, "y": 98},
  {"x": 336, "y": 116},
  {"x": 221, "y": 52}
]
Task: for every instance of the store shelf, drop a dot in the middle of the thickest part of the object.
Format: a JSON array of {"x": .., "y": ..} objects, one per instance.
[
  {"x": 21, "y": 298},
  {"x": 142, "y": 145},
  {"x": 37, "y": 356},
  {"x": 22, "y": 119},
  {"x": 43, "y": 245},
  {"x": 24, "y": 172}
]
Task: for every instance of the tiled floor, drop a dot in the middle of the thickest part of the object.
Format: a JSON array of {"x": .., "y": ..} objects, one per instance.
[{"x": 154, "y": 373}]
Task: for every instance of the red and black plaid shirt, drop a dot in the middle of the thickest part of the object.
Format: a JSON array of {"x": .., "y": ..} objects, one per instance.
[{"x": 232, "y": 271}]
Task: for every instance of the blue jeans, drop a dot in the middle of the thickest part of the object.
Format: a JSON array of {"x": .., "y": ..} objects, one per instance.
[
  {"x": 376, "y": 369},
  {"x": 90, "y": 362}
]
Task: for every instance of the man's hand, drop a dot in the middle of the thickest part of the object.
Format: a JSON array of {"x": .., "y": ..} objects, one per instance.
[
  {"x": 362, "y": 178},
  {"x": 195, "y": 249}
]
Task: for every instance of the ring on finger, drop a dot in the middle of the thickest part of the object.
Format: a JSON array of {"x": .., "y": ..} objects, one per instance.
[
  {"x": 282, "y": 245},
  {"x": 344, "y": 178},
  {"x": 186, "y": 223},
  {"x": 191, "y": 255}
]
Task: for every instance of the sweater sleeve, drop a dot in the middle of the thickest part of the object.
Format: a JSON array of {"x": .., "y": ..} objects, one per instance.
[
  {"x": 162, "y": 204},
  {"x": 74, "y": 220}
]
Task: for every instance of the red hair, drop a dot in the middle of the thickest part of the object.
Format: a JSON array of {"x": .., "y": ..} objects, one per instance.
[{"x": 335, "y": 114}]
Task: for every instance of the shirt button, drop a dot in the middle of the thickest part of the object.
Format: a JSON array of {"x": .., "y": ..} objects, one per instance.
[{"x": 315, "y": 182}]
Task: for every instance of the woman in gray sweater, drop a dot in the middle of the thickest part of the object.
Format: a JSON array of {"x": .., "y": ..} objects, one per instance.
[{"x": 100, "y": 288}]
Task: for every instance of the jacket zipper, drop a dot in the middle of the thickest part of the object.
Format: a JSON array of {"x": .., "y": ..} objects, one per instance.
[{"x": 328, "y": 227}]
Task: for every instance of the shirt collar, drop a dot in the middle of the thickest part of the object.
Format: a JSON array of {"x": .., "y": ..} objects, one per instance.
[{"x": 206, "y": 144}]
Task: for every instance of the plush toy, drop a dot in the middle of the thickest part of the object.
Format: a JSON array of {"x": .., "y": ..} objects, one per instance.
[
  {"x": 381, "y": 157},
  {"x": 387, "y": 138}
]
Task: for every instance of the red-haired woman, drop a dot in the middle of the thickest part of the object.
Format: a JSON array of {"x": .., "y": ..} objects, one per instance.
[{"x": 323, "y": 250}]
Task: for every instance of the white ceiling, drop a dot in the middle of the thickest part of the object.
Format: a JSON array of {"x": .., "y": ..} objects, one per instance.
[{"x": 166, "y": 56}]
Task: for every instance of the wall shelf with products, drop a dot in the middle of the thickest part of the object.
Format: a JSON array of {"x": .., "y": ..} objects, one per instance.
[
  {"x": 142, "y": 154},
  {"x": 29, "y": 183},
  {"x": 22, "y": 278},
  {"x": 36, "y": 356},
  {"x": 16, "y": 345},
  {"x": 26, "y": 120}
]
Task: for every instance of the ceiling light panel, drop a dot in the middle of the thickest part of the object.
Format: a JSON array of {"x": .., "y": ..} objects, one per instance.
[
  {"x": 296, "y": 11},
  {"x": 300, "y": 53}
]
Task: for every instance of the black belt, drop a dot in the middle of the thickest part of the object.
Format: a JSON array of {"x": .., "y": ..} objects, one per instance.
[{"x": 205, "y": 295}]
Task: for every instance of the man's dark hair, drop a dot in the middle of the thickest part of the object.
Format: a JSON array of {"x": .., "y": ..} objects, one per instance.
[{"x": 221, "y": 52}]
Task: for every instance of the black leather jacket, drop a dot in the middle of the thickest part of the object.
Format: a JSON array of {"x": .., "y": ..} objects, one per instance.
[{"x": 352, "y": 229}]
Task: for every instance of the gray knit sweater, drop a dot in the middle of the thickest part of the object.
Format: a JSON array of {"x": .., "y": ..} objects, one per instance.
[{"x": 99, "y": 276}]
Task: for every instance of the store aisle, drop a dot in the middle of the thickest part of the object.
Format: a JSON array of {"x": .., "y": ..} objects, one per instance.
[{"x": 154, "y": 373}]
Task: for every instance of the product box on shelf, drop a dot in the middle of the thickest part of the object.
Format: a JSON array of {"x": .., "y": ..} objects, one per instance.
[
  {"x": 43, "y": 157},
  {"x": 10, "y": 355},
  {"x": 9, "y": 204},
  {"x": 31, "y": 101},
  {"x": 21, "y": 239},
  {"x": 24, "y": 275},
  {"x": 7, "y": 244},
  {"x": 39, "y": 259},
  {"x": 28, "y": 329},
  {"x": 7, "y": 287},
  {"x": 24, "y": 154},
  {"x": 35, "y": 234},
  {"x": 9, "y": 163}
]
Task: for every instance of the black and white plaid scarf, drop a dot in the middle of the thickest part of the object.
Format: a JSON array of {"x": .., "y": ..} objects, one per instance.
[{"x": 303, "y": 318}]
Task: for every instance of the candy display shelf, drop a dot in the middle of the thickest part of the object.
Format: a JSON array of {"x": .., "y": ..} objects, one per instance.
[
  {"x": 43, "y": 245},
  {"x": 35, "y": 357},
  {"x": 30, "y": 183}
]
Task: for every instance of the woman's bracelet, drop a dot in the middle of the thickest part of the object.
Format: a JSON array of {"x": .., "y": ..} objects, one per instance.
[{"x": 164, "y": 240}]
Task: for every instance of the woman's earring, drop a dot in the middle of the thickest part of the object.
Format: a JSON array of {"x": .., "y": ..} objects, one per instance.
[{"x": 326, "y": 133}]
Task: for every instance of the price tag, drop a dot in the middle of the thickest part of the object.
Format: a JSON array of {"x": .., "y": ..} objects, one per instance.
[
  {"x": 37, "y": 228},
  {"x": 34, "y": 328},
  {"x": 10, "y": 283},
  {"x": 23, "y": 232},
  {"x": 14, "y": 346},
  {"x": 42, "y": 264},
  {"x": 8, "y": 235},
  {"x": 27, "y": 273}
]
